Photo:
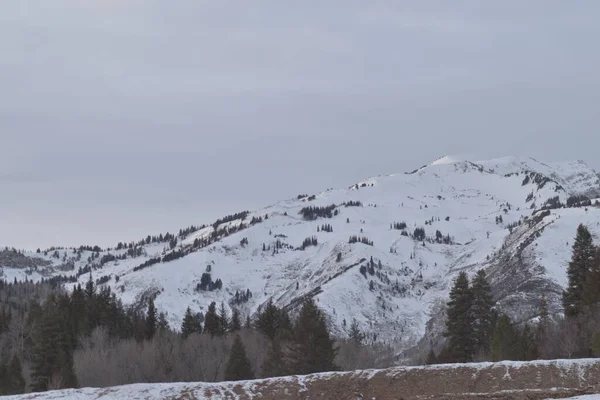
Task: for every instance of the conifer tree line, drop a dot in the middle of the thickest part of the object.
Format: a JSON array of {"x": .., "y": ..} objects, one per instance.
[
  {"x": 52, "y": 339},
  {"x": 475, "y": 331}
]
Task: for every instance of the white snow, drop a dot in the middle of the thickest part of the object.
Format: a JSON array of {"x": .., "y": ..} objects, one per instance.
[{"x": 412, "y": 277}]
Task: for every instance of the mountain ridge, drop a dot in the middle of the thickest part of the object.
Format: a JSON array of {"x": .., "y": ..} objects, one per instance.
[{"x": 383, "y": 251}]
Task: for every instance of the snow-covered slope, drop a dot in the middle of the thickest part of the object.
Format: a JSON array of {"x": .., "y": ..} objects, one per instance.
[{"x": 483, "y": 214}]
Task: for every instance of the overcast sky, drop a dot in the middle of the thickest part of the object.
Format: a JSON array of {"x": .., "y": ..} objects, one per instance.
[{"x": 120, "y": 118}]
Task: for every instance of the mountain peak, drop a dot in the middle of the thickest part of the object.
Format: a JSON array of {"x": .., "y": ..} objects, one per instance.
[{"x": 383, "y": 252}]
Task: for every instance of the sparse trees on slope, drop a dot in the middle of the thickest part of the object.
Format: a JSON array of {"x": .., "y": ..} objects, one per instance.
[
  {"x": 581, "y": 263},
  {"x": 459, "y": 324},
  {"x": 238, "y": 366}
]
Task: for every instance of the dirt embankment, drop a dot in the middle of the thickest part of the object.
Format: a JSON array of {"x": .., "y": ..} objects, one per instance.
[{"x": 505, "y": 380}]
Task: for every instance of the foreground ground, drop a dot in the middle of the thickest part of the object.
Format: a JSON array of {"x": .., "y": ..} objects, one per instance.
[{"x": 504, "y": 380}]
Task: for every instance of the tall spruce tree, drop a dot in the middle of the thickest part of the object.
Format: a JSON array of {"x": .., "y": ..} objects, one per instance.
[
  {"x": 275, "y": 361},
  {"x": 273, "y": 320},
  {"x": 481, "y": 309},
  {"x": 591, "y": 285},
  {"x": 238, "y": 366},
  {"x": 162, "y": 324},
  {"x": 212, "y": 323},
  {"x": 355, "y": 334},
  {"x": 236, "y": 320},
  {"x": 459, "y": 323},
  {"x": 52, "y": 358},
  {"x": 581, "y": 263},
  {"x": 223, "y": 320},
  {"x": 14, "y": 383},
  {"x": 504, "y": 344},
  {"x": 151, "y": 320},
  {"x": 190, "y": 324},
  {"x": 312, "y": 349}
]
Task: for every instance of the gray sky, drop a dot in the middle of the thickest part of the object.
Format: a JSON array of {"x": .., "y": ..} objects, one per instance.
[{"x": 120, "y": 118}]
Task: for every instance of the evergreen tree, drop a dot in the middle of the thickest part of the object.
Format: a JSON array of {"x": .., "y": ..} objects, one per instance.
[
  {"x": 238, "y": 366},
  {"x": 482, "y": 313},
  {"x": 355, "y": 334},
  {"x": 151, "y": 320},
  {"x": 162, "y": 324},
  {"x": 52, "y": 358},
  {"x": 459, "y": 324},
  {"x": 90, "y": 305},
  {"x": 506, "y": 342},
  {"x": 581, "y": 263},
  {"x": 591, "y": 285},
  {"x": 272, "y": 320},
  {"x": 212, "y": 324},
  {"x": 275, "y": 362},
  {"x": 595, "y": 346},
  {"x": 543, "y": 325},
  {"x": 13, "y": 382},
  {"x": 528, "y": 347},
  {"x": 223, "y": 320},
  {"x": 313, "y": 349},
  {"x": 431, "y": 358},
  {"x": 236, "y": 322},
  {"x": 189, "y": 324}
]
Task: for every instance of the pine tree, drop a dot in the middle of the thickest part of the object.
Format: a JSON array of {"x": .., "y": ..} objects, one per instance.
[
  {"x": 355, "y": 334},
  {"x": 272, "y": 320},
  {"x": 187, "y": 326},
  {"x": 52, "y": 355},
  {"x": 13, "y": 382},
  {"x": 236, "y": 322},
  {"x": 506, "y": 342},
  {"x": 162, "y": 324},
  {"x": 151, "y": 320},
  {"x": 212, "y": 324},
  {"x": 482, "y": 313},
  {"x": 581, "y": 263},
  {"x": 459, "y": 324},
  {"x": 543, "y": 326},
  {"x": 591, "y": 284},
  {"x": 90, "y": 305},
  {"x": 431, "y": 358},
  {"x": 275, "y": 362},
  {"x": 238, "y": 366},
  {"x": 313, "y": 349},
  {"x": 223, "y": 320}
]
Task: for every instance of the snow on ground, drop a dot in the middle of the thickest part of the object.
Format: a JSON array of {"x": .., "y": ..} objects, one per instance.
[
  {"x": 507, "y": 378},
  {"x": 393, "y": 299}
]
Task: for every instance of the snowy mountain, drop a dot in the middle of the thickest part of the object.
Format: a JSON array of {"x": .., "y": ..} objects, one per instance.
[{"x": 411, "y": 234}]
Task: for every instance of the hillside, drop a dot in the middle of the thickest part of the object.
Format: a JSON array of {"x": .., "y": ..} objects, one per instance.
[
  {"x": 504, "y": 380},
  {"x": 514, "y": 217}
]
